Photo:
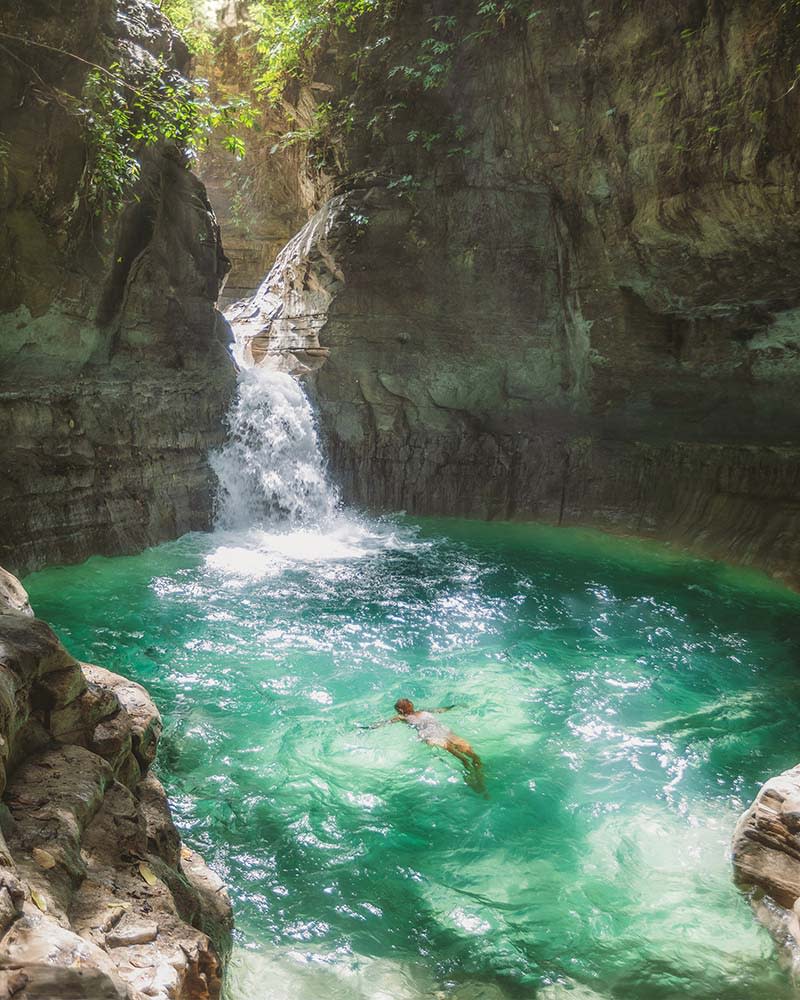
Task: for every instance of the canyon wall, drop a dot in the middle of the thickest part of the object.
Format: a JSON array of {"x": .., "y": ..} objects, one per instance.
[
  {"x": 562, "y": 284},
  {"x": 114, "y": 371},
  {"x": 98, "y": 898}
]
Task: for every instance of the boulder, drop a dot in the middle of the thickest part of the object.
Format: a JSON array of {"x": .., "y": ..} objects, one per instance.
[
  {"x": 98, "y": 898},
  {"x": 766, "y": 842}
]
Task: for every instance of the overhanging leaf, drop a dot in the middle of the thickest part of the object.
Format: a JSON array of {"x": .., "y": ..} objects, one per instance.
[
  {"x": 39, "y": 900},
  {"x": 147, "y": 873}
]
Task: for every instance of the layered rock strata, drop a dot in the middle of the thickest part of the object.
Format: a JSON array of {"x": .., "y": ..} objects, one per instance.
[
  {"x": 114, "y": 372},
  {"x": 565, "y": 280},
  {"x": 98, "y": 898}
]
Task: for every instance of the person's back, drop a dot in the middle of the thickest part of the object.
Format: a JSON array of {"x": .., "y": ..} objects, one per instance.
[{"x": 429, "y": 728}]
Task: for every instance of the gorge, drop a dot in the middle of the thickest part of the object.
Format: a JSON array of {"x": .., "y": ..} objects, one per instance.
[{"x": 497, "y": 277}]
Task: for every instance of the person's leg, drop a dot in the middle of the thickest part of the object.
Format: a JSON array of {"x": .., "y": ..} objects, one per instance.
[
  {"x": 473, "y": 756},
  {"x": 459, "y": 755},
  {"x": 471, "y": 762},
  {"x": 459, "y": 747}
]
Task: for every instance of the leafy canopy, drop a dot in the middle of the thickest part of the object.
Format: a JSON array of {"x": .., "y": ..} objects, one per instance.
[
  {"x": 190, "y": 19},
  {"x": 122, "y": 120}
]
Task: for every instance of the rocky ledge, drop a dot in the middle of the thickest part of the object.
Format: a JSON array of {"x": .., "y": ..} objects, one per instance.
[
  {"x": 98, "y": 898},
  {"x": 766, "y": 855}
]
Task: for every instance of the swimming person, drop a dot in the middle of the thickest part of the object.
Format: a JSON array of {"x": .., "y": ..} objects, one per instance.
[{"x": 436, "y": 734}]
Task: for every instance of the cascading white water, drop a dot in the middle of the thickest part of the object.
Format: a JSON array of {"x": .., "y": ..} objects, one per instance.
[
  {"x": 271, "y": 471},
  {"x": 276, "y": 507}
]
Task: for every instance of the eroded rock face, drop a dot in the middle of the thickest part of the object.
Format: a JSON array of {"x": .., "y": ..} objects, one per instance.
[
  {"x": 98, "y": 898},
  {"x": 280, "y": 325},
  {"x": 581, "y": 305},
  {"x": 114, "y": 372},
  {"x": 766, "y": 843}
]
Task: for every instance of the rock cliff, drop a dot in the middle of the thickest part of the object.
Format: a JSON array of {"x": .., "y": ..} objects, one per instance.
[
  {"x": 98, "y": 898},
  {"x": 562, "y": 285},
  {"x": 114, "y": 374}
]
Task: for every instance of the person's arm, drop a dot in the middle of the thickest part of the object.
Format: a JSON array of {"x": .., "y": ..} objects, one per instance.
[
  {"x": 444, "y": 708},
  {"x": 385, "y": 722}
]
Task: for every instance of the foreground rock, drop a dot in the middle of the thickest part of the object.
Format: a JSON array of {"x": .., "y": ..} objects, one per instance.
[
  {"x": 98, "y": 898},
  {"x": 766, "y": 853}
]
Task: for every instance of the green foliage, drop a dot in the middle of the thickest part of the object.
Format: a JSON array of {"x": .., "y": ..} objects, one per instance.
[
  {"x": 286, "y": 35},
  {"x": 287, "y": 31},
  {"x": 433, "y": 59},
  {"x": 404, "y": 184},
  {"x": 495, "y": 15},
  {"x": 122, "y": 120},
  {"x": 187, "y": 17}
]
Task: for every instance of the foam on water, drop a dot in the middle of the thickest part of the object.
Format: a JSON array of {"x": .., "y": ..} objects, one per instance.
[
  {"x": 276, "y": 506},
  {"x": 254, "y": 554}
]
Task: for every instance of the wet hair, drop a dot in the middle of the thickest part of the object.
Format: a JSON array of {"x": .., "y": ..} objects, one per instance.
[{"x": 403, "y": 706}]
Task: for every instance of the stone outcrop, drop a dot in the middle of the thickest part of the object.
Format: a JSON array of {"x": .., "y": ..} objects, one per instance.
[
  {"x": 766, "y": 843},
  {"x": 98, "y": 898},
  {"x": 566, "y": 280},
  {"x": 766, "y": 854},
  {"x": 114, "y": 371},
  {"x": 280, "y": 325}
]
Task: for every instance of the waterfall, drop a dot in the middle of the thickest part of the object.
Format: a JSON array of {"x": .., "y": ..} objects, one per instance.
[{"x": 271, "y": 471}]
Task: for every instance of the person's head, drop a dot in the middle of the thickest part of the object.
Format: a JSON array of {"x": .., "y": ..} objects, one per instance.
[{"x": 403, "y": 706}]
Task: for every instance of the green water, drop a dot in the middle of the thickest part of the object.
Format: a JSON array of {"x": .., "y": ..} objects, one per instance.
[{"x": 627, "y": 702}]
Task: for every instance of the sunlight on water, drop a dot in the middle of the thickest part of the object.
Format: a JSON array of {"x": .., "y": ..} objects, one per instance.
[
  {"x": 263, "y": 553},
  {"x": 626, "y": 701}
]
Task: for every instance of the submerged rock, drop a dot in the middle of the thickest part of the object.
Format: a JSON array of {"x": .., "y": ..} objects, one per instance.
[{"x": 97, "y": 897}]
